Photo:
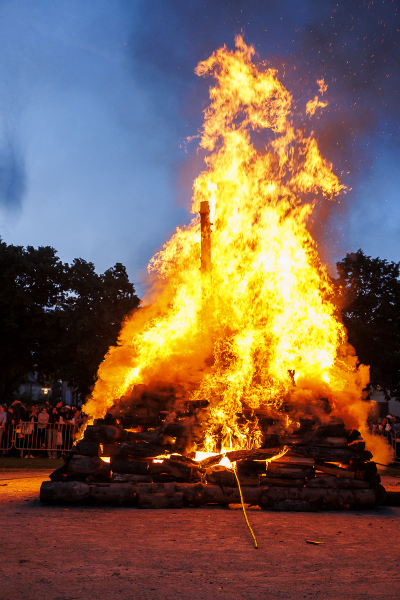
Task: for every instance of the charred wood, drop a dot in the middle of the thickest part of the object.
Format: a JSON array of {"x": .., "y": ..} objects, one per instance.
[
  {"x": 357, "y": 446},
  {"x": 321, "y": 497},
  {"x": 290, "y": 459},
  {"x": 68, "y": 491},
  {"x": 108, "y": 449},
  {"x": 114, "y": 493},
  {"x": 288, "y": 471},
  {"x": 331, "y": 481},
  {"x": 143, "y": 449},
  {"x": 124, "y": 464},
  {"x": 87, "y": 465},
  {"x": 88, "y": 448},
  {"x": 276, "y": 481},
  {"x": 250, "y": 467},
  {"x": 131, "y": 477},
  {"x": 176, "y": 469},
  {"x": 352, "y": 435},
  {"x": 334, "y": 470},
  {"x": 104, "y": 433},
  {"x": 342, "y": 455}
]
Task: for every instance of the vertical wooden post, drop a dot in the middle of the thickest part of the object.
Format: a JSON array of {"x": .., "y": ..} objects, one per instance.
[
  {"x": 206, "y": 279},
  {"x": 205, "y": 238}
]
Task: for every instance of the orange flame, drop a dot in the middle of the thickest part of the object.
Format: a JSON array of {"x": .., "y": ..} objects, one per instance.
[{"x": 268, "y": 307}]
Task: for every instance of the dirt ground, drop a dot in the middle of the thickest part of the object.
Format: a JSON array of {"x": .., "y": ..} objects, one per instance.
[{"x": 68, "y": 553}]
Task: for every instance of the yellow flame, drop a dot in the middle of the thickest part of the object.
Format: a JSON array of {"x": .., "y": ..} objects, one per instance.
[{"x": 268, "y": 306}]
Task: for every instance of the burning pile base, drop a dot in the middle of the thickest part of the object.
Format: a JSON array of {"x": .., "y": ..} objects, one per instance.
[{"x": 321, "y": 465}]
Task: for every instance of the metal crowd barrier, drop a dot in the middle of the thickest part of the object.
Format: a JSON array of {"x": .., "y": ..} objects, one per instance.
[{"x": 27, "y": 438}]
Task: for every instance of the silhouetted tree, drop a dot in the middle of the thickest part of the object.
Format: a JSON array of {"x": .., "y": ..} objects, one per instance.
[
  {"x": 55, "y": 318},
  {"x": 369, "y": 290}
]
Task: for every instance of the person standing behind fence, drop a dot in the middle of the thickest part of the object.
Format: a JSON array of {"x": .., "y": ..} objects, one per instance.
[
  {"x": 43, "y": 419},
  {"x": 3, "y": 419},
  {"x": 31, "y": 435},
  {"x": 52, "y": 432},
  {"x": 54, "y": 437}
]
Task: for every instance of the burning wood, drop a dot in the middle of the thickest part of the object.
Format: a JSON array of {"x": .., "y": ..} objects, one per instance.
[{"x": 155, "y": 477}]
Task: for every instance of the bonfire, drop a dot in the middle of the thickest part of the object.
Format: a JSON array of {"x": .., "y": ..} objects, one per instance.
[{"x": 237, "y": 366}]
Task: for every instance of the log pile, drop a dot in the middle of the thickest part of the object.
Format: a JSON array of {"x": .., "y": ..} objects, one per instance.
[{"x": 145, "y": 459}]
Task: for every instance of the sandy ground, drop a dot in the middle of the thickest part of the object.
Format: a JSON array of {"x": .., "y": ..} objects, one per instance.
[{"x": 68, "y": 553}]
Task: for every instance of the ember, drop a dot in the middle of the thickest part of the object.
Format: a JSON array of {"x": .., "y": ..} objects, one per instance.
[{"x": 239, "y": 357}]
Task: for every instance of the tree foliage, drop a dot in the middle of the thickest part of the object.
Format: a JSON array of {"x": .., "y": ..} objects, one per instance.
[
  {"x": 55, "y": 318},
  {"x": 369, "y": 289}
]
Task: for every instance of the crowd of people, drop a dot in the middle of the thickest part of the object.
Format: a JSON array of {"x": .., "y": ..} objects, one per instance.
[
  {"x": 39, "y": 429},
  {"x": 389, "y": 427}
]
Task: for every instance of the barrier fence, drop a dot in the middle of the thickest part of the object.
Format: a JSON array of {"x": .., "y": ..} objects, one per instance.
[{"x": 28, "y": 438}]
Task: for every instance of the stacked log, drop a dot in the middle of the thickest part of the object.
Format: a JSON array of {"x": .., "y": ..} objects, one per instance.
[{"x": 149, "y": 466}]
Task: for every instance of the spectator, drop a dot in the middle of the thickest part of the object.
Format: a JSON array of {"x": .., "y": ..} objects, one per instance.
[
  {"x": 54, "y": 435},
  {"x": 31, "y": 432},
  {"x": 43, "y": 419}
]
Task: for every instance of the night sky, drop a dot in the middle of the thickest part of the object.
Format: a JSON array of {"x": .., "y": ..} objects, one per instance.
[{"x": 97, "y": 98}]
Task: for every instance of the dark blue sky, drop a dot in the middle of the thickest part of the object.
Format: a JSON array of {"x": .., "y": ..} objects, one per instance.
[{"x": 98, "y": 96}]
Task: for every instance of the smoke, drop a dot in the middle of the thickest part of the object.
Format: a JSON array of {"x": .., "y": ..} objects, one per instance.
[{"x": 12, "y": 175}]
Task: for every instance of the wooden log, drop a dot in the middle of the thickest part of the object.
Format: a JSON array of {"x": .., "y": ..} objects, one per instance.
[
  {"x": 332, "y": 442},
  {"x": 310, "y": 439},
  {"x": 330, "y": 431},
  {"x": 154, "y": 436},
  {"x": 352, "y": 435},
  {"x": 222, "y": 476},
  {"x": 87, "y": 465},
  {"x": 374, "y": 480},
  {"x": 131, "y": 477},
  {"x": 68, "y": 491},
  {"x": 104, "y": 433},
  {"x": 114, "y": 494},
  {"x": 250, "y": 467},
  {"x": 124, "y": 464},
  {"x": 143, "y": 449},
  {"x": 88, "y": 448},
  {"x": 265, "y": 480},
  {"x": 131, "y": 422},
  {"x": 179, "y": 470},
  {"x": 198, "y": 494},
  {"x": 290, "y": 459},
  {"x": 392, "y": 499},
  {"x": 380, "y": 494},
  {"x": 235, "y": 455},
  {"x": 342, "y": 455},
  {"x": 320, "y": 497},
  {"x": 108, "y": 449},
  {"x": 334, "y": 470},
  {"x": 365, "y": 471},
  {"x": 60, "y": 474},
  {"x": 185, "y": 459},
  {"x": 357, "y": 446},
  {"x": 331, "y": 481},
  {"x": 289, "y": 471}
]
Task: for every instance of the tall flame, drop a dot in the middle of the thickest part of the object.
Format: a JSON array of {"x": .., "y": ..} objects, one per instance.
[{"x": 267, "y": 308}]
